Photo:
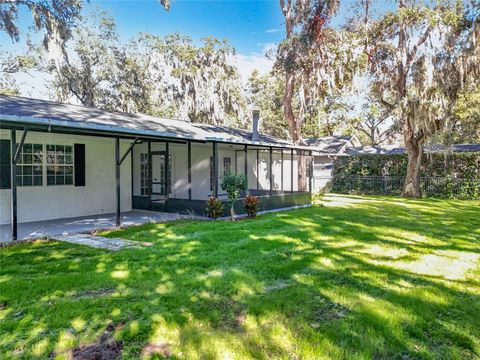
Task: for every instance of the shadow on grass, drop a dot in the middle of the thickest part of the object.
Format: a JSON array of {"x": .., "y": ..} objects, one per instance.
[{"x": 336, "y": 282}]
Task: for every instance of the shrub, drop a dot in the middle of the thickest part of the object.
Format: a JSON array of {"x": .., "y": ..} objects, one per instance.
[
  {"x": 233, "y": 183},
  {"x": 214, "y": 208},
  {"x": 455, "y": 175},
  {"x": 251, "y": 204}
]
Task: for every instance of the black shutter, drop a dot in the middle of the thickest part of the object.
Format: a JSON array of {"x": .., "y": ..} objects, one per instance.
[
  {"x": 79, "y": 158},
  {"x": 5, "y": 164}
]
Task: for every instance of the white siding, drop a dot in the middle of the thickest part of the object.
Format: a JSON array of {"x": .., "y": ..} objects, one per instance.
[
  {"x": 322, "y": 172},
  {"x": 179, "y": 154},
  {"x": 64, "y": 201},
  {"x": 277, "y": 171},
  {"x": 201, "y": 171}
]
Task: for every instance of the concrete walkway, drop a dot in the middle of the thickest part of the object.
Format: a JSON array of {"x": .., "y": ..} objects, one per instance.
[
  {"x": 89, "y": 224},
  {"x": 84, "y": 224},
  {"x": 99, "y": 242}
]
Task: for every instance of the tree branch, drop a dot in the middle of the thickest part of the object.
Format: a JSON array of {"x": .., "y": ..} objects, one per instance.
[
  {"x": 386, "y": 103},
  {"x": 411, "y": 55}
]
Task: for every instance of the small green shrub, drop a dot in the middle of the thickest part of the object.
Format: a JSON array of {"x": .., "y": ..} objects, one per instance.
[
  {"x": 214, "y": 208},
  {"x": 233, "y": 184},
  {"x": 252, "y": 204}
]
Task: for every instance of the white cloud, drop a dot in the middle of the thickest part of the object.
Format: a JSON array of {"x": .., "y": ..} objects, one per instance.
[
  {"x": 254, "y": 61},
  {"x": 269, "y": 31}
]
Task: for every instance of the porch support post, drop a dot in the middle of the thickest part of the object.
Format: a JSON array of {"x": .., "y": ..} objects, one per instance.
[
  {"x": 117, "y": 180},
  {"x": 167, "y": 173},
  {"x": 149, "y": 172},
  {"x": 20, "y": 145},
  {"x": 215, "y": 169},
  {"x": 245, "y": 164},
  {"x": 281, "y": 171},
  {"x": 270, "y": 174},
  {"x": 258, "y": 169},
  {"x": 189, "y": 155},
  {"x": 291, "y": 170},
  {"x": 310, "y": 173},
  {"x": 13, "y": 183},
  {"x": 128, "y": 150}
]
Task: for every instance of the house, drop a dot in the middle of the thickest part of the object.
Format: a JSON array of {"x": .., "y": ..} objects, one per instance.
[
  {"x": 324, "y": 151},
  {"x": 393, "y": 149},
  {"x": 62, "y": 161}
]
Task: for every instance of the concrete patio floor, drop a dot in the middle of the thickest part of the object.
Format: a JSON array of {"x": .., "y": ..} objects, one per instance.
[{"x": 48, "y": 228}]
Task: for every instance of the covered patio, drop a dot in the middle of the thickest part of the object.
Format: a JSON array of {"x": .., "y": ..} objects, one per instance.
[
  {"x": 85, "y": 224},
  {"x": 62, "y": 161}
]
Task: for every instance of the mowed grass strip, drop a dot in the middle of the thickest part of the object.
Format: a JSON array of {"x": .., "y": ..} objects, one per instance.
[{"x": 355, "y": 278}]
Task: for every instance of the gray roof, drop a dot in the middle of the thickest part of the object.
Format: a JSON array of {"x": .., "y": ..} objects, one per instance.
[
  {"x": 43, "y": 112},
  {"x": 329, "y": 145},
  {"x": 390, "y": 150}
]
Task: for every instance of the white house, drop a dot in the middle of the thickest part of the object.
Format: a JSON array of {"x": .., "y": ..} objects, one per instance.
[
  {"x": 324, "y": 151},
  {"x": 60, "y": 161}
]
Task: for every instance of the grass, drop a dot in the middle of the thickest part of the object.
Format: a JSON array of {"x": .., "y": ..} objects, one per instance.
[{"x": 359, "y": 278}]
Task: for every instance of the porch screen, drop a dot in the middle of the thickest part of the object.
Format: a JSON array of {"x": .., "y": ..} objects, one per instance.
[{"x": 4, "y": 164}]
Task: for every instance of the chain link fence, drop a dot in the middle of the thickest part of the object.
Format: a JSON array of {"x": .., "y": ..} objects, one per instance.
[{"x": 442, "y": 187}]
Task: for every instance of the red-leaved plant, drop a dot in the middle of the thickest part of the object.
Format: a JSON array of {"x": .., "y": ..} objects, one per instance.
[
  {"x": 251, "y": 204},
  {"x": 214, "y": 208}
]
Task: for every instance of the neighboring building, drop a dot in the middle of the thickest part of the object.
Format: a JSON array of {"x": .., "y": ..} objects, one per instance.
[
  {"x": 391, "y": 150},
  {"x": 324, "y": 151},
  {"x": 69, "y": 161}
]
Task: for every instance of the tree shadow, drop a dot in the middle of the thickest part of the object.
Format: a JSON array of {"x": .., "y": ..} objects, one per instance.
[{"x": 320, "y": 282}]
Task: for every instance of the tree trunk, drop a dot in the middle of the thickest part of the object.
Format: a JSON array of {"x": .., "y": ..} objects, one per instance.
[
  {"x": 232, "y": 212},
  {"x": 412, "y": 179},
  {"x": 302, "y": 173},
  {"x": 288, "y": 108}
]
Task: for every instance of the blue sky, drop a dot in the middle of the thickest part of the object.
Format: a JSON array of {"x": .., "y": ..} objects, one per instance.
[
  {"x": 248, "y": 24},
  {"x": 251, "y": 26}
]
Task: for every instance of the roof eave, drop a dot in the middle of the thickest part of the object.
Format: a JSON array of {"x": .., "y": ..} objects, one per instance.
[{"x": 119, "y": 131}]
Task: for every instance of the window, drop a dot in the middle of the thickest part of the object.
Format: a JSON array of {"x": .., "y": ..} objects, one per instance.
[
  {"x": 144, "y": 174},
  {"x": 59, "y": 165},
  {"x": 227, "y": 165},
  {"x": 30, "y": 165},
  {"x": 211, "y": 173}
]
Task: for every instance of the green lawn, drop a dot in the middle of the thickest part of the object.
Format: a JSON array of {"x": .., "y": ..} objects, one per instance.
[{"x": 360, "y": 278}]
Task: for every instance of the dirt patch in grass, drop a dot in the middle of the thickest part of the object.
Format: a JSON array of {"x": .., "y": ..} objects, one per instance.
[
  {"x": 278, "y": 285},
  {"x": 153, "y": 349},
  {"x": 118, "y": 326},
  {"x": 327, "y": 311},
  {"x": 94, "y": 293},
  {"x": 232, "y": 315},
  {"x": 106, "y": 348}
]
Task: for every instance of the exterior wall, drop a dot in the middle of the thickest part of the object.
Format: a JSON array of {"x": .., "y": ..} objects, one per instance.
[
  {"x": 201, "y": 154},
  {"x": 264, "y": 170},
  {"x": 258, "y": 184},
  {"x": 277, "y": 171},
  {"x": 322, "y": 172},
  {"x": 252, "y": 169},
  {"x": 276, "y": 201},
  {"x": 201, "y": 171},
  {"x": 35, "y": 203}
]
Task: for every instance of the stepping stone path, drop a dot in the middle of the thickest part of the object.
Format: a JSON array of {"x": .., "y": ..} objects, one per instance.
[{"x": 99, "y": 242}]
